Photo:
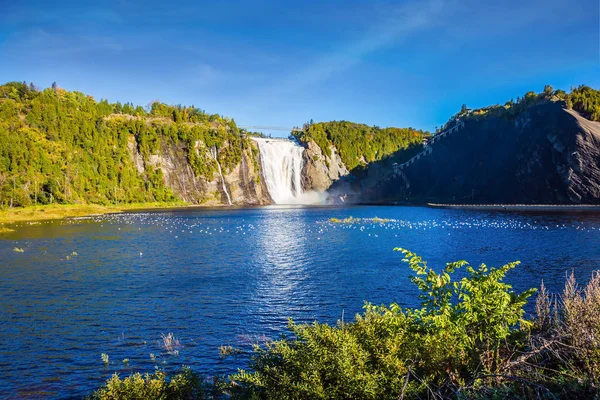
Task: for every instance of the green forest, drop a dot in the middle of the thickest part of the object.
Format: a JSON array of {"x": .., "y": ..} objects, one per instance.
[
  {"x": 59, "y": 146},
  {"x": 585, "y": 100},
  {"x": 359, "y": 144}
]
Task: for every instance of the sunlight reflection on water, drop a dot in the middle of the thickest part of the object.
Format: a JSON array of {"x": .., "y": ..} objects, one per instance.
[{"x": 233, "y": 277}]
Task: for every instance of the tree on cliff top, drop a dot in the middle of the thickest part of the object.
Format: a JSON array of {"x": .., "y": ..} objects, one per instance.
[{"x": 358, "y": 144}]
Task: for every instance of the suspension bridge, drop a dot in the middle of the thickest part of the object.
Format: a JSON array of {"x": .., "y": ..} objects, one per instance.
[{"x": 271, "y": 128}]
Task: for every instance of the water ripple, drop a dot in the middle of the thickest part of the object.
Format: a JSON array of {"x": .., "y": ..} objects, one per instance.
[{"x": 113, "y": 284}]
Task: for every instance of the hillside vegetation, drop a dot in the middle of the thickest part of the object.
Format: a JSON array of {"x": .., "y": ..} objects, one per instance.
[
  {"x": 359, "y": 144},
  {"x": 583, "y": 99},
  {"x": 58, "y": 146}
]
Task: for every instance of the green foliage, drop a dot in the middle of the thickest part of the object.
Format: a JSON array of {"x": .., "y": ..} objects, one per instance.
[
  {"x": 463, "y": 328},
  {"x": 467, "y": 340},
  {"x": 186, "y": 385},
  {"x": 359, "y": 144},
  {"x": 65, "y": 147},
  {"x": 586, "y": 100},
  {"x": 582, "y": 99}
]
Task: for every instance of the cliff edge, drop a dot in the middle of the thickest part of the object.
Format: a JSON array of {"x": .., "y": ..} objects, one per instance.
[{"x": 546, "y": 154}]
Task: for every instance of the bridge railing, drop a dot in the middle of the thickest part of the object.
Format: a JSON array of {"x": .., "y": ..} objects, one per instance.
[{"x": 270, "y": 128}]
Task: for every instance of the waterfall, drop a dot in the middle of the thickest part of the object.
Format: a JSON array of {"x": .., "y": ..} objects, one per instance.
[
  {"x": 213, "y": 153},
  {"x": 281, "y": 161}
]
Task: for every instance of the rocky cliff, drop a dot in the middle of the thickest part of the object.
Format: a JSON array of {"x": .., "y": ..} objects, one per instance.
[
  {"x": 242, "y": 184},
  {"x": 320, "y": 170},
  {"x": 546, "y": 154},
  {"x": 59, "y": 146}
]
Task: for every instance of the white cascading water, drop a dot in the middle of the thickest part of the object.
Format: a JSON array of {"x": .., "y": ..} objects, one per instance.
[
  {"x": 281, "y": 161},
  {"x": 213, "y": 153}
]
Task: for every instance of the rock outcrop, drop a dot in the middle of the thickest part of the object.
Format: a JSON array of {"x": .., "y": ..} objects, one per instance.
[
  {"x": 319, "y": 170},
  {"x": 245, "y": 182},
  {"x": 546, "y": 154}
]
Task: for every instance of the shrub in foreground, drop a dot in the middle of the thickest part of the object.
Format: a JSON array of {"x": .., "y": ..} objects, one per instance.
[
  {"x": 463, "y": 329},
  {"x": 186, "y": 385},
  {"x": 469, "y": 339}
]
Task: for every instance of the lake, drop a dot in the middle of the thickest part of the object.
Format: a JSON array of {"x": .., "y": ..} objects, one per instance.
[{"x": 115, "y": 284}]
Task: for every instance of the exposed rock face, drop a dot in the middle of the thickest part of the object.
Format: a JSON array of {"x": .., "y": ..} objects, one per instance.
[
  {"x": 243, "y": 182},
  {"x": 136, "y": 157},
  {"x": 546, "y": 155},
  {"x": 319, "y": 170},
  {"x": 583, "y": 171}
]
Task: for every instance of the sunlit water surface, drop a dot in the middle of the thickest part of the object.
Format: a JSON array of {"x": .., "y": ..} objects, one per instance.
[{"x": 234, "y": 277}]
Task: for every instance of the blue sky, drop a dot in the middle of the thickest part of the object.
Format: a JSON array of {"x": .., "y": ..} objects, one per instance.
[{"x": 281, "y": 63}]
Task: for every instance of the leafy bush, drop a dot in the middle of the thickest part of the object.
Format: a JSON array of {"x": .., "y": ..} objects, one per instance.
[
  {"x": 467, "y": 340},
  {"x": 186, "y": 385},
  {"x": 463, "y": 329}
]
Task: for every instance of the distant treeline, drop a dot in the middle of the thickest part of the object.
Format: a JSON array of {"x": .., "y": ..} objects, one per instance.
[
  {"x": 582, "y": 99},
  {"x": 359, "y": 144},
  {"x": 58, "y": 146}
]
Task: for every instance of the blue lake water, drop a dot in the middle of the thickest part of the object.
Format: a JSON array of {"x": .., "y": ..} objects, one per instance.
[{"x": 234, "y": 277}]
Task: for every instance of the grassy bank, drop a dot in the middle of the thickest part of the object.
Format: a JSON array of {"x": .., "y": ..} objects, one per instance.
[
  {"x": 59, "y": 211},
  {"x": 469, "y": 339}
]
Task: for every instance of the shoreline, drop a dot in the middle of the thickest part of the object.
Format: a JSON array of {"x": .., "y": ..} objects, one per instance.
[
  {"x": 518, "y": 206},
  {"x": 60, "y": 211}
]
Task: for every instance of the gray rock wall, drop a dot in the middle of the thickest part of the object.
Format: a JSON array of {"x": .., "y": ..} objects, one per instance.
[
  {"x": 243, "y": 182},
  {"x": 546, "y": 155},
  {"x": 319, "y": 170}
]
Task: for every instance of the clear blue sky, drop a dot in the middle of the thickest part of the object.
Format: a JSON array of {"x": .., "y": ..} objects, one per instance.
[{"x": 281, "y": 63}]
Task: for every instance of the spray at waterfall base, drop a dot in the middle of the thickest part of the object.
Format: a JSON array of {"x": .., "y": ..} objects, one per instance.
[{"x": 282, "y": 163}]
